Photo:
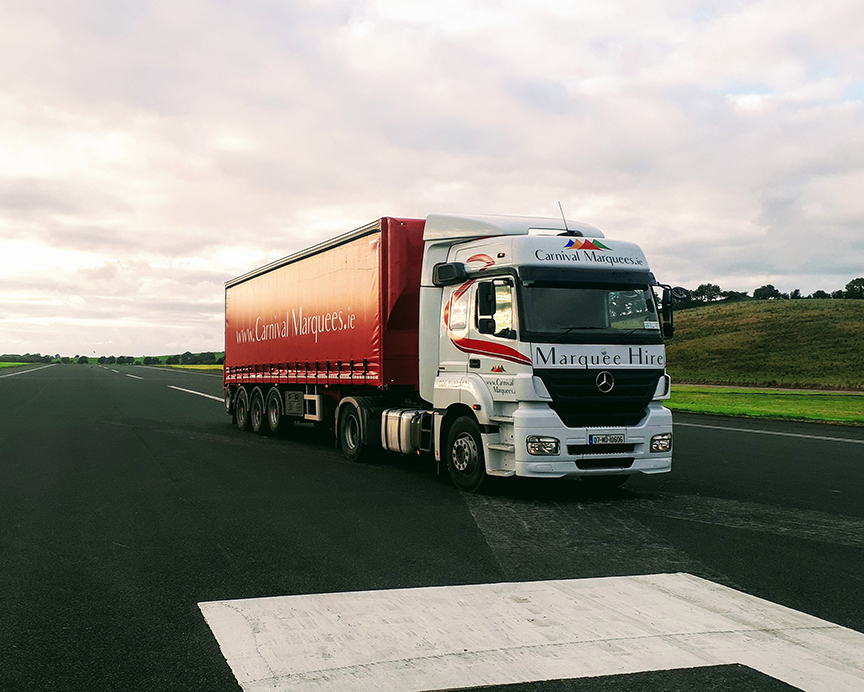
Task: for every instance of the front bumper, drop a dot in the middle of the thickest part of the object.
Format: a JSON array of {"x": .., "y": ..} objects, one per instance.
[{"x": 577, "y": 458}]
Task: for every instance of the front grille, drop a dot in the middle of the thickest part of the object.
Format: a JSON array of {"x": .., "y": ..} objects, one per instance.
[{"x": 579, "y": 404}]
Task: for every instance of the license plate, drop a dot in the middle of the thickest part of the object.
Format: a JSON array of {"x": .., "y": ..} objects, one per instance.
[{"x": 606, "y": 439}]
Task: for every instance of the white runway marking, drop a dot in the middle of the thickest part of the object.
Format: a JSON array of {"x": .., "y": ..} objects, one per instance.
[
  {"x": 411, "y": 640},
  {"x": 192, "y": 391},
  {"x": 135, "y": 376},
  {"x": 21, "y": 372},
  {"x": 773, "y": 432}
]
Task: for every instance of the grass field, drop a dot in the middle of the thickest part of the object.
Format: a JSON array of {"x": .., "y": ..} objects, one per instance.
[
  {"x": 803, "y": 344},
  {"x": 12, "y": 365},
  {"x": 833, "y": 407}
]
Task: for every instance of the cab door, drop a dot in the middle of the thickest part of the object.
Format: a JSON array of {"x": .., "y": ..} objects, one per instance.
[{"x": 495, "y": 346}]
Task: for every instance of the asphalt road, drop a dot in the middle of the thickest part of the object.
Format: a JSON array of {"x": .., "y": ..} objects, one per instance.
[{"x": 125, "y": 501}]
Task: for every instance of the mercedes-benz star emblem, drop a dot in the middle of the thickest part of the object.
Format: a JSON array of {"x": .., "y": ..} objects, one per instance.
[{"x": 605, "y": 382}]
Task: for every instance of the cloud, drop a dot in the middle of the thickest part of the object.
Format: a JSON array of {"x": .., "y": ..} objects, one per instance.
[{"x": 150, "y": 151}]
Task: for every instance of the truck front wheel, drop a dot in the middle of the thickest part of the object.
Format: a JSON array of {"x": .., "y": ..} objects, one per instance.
[{"x": 464, "y": 451}]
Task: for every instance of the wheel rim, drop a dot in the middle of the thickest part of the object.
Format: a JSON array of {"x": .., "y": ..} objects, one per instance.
[
  {"x": 256, "y": 414},
  {"x": 273, "y": 413},
  {"x": 351, "y": 432},
  {"x": 465, "y": 454}
]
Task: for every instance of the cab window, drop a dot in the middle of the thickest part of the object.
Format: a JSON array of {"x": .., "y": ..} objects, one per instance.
[
  {"x": 459, "y": 312},
  {"x": 495, "y": 308}
]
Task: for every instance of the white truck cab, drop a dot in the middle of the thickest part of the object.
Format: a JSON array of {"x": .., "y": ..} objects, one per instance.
[{"x": 541, "y": 351}]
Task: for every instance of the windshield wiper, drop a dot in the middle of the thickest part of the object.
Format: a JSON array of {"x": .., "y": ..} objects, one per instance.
[
  {"x": 614, "y": 335},
  {"x": 567, "y": 330},
  {"x": 623, "y": 336}
]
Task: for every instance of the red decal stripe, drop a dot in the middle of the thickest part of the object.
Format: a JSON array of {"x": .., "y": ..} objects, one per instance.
[
  {"x": 488, "y": 348},
  {"x": 486, "y": 259}
]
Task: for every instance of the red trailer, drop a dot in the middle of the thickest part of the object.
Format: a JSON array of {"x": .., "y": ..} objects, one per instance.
[{"x": 342, "y": 316}]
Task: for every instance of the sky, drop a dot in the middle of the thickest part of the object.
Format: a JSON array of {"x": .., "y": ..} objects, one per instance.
[{"x": 150, "y": 151}]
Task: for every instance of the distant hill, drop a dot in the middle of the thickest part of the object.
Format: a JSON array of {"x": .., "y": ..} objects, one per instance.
[{"x": 807, "y": 344}]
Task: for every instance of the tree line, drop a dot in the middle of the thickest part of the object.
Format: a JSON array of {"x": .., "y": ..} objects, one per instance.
[
  {"x": 704, "y": 293},
  {"x": 187, "y": 358},
  {"x": 709, "y": 293}
]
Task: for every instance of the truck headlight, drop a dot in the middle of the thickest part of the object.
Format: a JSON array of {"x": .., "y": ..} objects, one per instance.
[
  {"x": 661, "y": 443},
  {"x": 543, "y": 446}
]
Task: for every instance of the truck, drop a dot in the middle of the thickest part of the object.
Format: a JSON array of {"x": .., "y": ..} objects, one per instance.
[{"x": 502, "y": 345}]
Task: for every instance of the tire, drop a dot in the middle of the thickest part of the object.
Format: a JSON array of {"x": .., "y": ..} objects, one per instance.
[
  {"x": 273, "y": 412},
  {"x": 257, "y": 413},
  {"x": 351, "y": 434},
  {"x": 604, "y": 484},
  {"x": 241, "y": 409},
  {"x": 464, "y": 455},
  {"x": 229, "y": 405}
]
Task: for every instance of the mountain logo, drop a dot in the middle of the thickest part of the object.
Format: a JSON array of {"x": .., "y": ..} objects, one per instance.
[
  {"x": 576, "y": 244},
  {"x": 498, "y": 368}
]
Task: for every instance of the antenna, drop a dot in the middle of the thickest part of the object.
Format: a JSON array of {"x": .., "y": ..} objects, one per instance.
[
  {"x": 564, "y": 218},
  {"x": 567, "y": 231}
]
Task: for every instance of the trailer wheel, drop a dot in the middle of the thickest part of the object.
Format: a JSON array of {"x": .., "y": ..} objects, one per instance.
[
  {"x": 257, "y": 413},
  {"x": 464, "y": 452},
  {"x": 350, "y": 434},
  {"x": 241, "y": 409},
  {"x": 273, "y": 407},
  {"x": 229, "y": 404}
]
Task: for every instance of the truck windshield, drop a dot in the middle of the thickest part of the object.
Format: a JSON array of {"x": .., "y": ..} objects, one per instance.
[{"x": 589, "y": 313}]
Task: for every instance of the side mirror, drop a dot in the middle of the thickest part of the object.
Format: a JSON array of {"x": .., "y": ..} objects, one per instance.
[
  {"x": 670, "y": 294},
  {"x": 485, "y": 298},
  {"x": 486, "y": 325},
  {"x": 449, "y": 273},
  {"x": 668, "y": 320}
]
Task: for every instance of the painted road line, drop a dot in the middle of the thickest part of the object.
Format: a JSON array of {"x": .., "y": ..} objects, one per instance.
[
  {"x": 21, "y": 372},
  {"x": 412, "y": 640},
  {"x": 192, "y": 391},
  {"x": 773, "y": 432},
  {"x": 113, "y": 370},
  {"x": 135, "y": 376}
]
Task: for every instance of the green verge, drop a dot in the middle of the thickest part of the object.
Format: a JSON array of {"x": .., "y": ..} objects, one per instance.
[
  {"x": 13, "y": 365},
  {"x": 215, "y": 368},
  {"x": 796, "y": 344},
  {"x": 826, "y": 407}
]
